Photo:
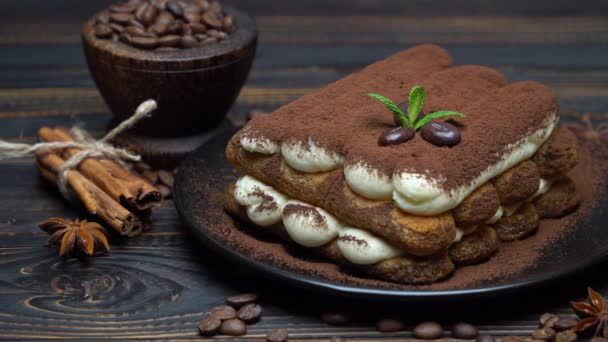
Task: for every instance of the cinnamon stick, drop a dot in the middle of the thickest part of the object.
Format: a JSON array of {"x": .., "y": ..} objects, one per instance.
[
  {"x": 94, "y": 199},
  {"x": 123, "y": 186}
]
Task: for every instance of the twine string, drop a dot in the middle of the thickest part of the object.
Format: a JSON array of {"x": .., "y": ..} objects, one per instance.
[{"x": 90, "y": 148}]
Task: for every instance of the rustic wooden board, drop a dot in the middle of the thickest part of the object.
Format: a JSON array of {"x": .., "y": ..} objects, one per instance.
[{"x": 159, "y": 285}]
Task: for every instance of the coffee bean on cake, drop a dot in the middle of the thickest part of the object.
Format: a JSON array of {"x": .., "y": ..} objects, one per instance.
[
  {"x": 158, "y": 25},
  {"x": 440, "y": 133},
  {"x": 396, "y": 136}
]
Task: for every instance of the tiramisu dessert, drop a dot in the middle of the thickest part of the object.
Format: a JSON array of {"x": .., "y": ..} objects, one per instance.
[{"x": 447, "y": 163}]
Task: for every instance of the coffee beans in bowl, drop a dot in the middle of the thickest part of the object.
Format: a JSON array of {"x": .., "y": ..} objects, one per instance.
[{"x": 164, "y": 24}]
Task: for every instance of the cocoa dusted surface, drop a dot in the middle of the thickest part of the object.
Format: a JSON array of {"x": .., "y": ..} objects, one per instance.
[
  {"x": 512, "y": 257},
  {"x": 342, "y": 118}
]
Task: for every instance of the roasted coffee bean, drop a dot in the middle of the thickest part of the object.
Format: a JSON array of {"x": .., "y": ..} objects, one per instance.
[
  {"x": 103, "y": 31},
  {"x": 160, "y": 4},
  {"x": 116, "y": 28},
  {"x": 159, "y": 28},
  {"x": 228, "y": 23},
  {"x": 135, "y": 31},
  {"x": 544, "y": 333},
  {"x": 387, "y": 325},
  {"x": 547, "y": 320},
  {"x": 485, "y": 338},
  {"x": 171, "y": 40},
  {"x": 191, "y": 8},
  {"x": 125, "y": 38},
  {"x": 214, "y": 7},
  {"x": 102, "y": 17},
  {"x": 209, "y": 40},
  {"x": 233, "y": 327},
  {"x": 134, "y": 2},
  {"x": 221, "y": 35},
  {"x": 116, "y": 8},
  {"x": 192, "y": 17},
  {"x": 209, "y": 326},
  {"x": 335, "y": 318},
  {"x": 223, "y": 312},
  {"x": 120, "y": 18},
  {"x": 202, "y": 4},
  {"x": 210, "y": 19},
  {"x": 197, "y": 28},
  {"x": 188, "y": 41},
  {"x": 201, "y": 36},
  {"x": 337, "y": 339},
  {"x": 250, "y": 313},
  {"x": 241, "y": 300},
  {"x": 440, "y": 133},
  {"x": 175, "y": 27},
  {"x": 213, "y": 33},
  {"x": 565, "y": 323},
  {"x": 566, "y": 336},
  {"x": 165, "y": 17},
  {"x": 149, "y": 15},
  {"x": 396, "y": 136},
  {"x": 140, "y": 10},
  {"x": 428, "y": 331},
  {"x": 277, "y": 335},
  {"x": 144, "y": 42},
  {"x": 464, "y": 331},
  {"x": 133, "y": 22},
  {"x": 175, "y": 8}
]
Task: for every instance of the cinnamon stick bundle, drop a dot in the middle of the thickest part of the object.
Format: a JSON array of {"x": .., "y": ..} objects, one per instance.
[
  {"x": 125, "y": 187},
  {"x": 94, "y": 199}
]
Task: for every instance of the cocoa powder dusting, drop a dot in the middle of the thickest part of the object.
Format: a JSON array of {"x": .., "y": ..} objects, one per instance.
[
  {"x": 590, "y": 177},
  {"x": 268, "y": 202},
  {"x": 341, "y": 118},
  {"x": 304, "y": 210}
]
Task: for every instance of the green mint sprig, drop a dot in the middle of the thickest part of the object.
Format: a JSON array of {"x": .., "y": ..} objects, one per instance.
[{"x": 415, "y": 103}]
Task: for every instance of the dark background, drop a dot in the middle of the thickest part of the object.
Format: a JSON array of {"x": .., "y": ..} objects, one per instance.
[{"x": 160, "y": 284}]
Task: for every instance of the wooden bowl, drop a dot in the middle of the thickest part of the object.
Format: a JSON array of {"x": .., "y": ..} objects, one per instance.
[{"x": 194, "y": 87}]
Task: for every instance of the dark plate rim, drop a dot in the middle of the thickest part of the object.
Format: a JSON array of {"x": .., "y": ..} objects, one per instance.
[{"x": 307, "y": 282}]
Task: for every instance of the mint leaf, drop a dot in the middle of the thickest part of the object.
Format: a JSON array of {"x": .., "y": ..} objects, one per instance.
[
  {"x": 415, "y": 102},
  {"x": 392, "y": 107},
  {"x": 430, "y": 117}
]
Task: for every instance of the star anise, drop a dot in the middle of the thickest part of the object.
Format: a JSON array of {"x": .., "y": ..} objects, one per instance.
[
  {"x": 586, "y": 130},
  {"x": 594, "y": 314},
  {"x": 76, "y": 237}
]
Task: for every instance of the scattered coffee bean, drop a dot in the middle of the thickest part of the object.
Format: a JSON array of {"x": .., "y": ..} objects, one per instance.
[
  {"x": 241, "y": 300},
  {"x": 149, "y": 15},
  {"x": 547, "y": 320},
  {"x": 335, "y": 318},
  {"x": 428, "y": 331},
  {"x": 464, "y": 331},
  {"x": 135, "y": 30},
  {"x": 387, "y": 325},
  {"x": 250, "y": 313},
  {"x": 396, "y": 136},
  {"x": 209, "y": 326},
  {"x": 223, "y": 312},
  {"x": 208, "y": 40},
  {"x": 144, "y": 42},
  {"x": 166, "y": 177},
  {"x": 210, "y": 19},
  {"x": 103, "y": 31},
  {"x": 565, "y": 323},
  {"x": 233, "y": 327},
  {"x": 512, "y": 339},
  {"x": 197, "y": 28},
  {"x": 544, "y": 333},
  {"x": 116, "y": 28},
  {"x": 485, "y": 338},
  {"x": 277, "y": 335},
  {"x": 120, "y": 18},
  {"x": 440, "y": 133},
  {"x": 228, "y": 23},
  {"x": 566, "y": 336}
]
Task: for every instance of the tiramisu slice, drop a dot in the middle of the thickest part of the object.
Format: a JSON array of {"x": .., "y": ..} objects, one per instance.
[{"x": 406, "y": 189}]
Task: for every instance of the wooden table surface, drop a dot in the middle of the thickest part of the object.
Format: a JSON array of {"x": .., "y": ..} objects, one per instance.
[{"x": 158, "y": 285}]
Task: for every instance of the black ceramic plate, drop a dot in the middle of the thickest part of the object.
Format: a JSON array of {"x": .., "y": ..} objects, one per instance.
[{"x": 198, "y": 197}]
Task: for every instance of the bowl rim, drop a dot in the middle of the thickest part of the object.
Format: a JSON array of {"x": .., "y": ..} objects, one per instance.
[{"x": 238, "y": 45}]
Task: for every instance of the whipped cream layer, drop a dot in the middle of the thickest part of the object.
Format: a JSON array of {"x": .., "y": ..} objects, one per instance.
[{"x": 308, "y": 225}]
